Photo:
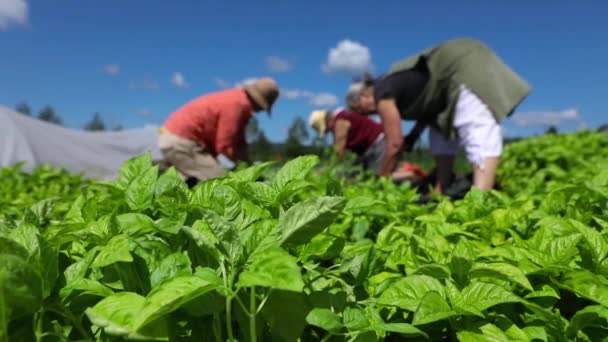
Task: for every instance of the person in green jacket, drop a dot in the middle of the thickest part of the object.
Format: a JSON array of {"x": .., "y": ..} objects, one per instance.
[{"x": 461, "y": 90}]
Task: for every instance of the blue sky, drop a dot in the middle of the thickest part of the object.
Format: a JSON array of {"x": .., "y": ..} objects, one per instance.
[{"x": 135, "y": 61}]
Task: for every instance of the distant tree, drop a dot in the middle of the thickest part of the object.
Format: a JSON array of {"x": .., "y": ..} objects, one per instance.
[
  {"x": 24, "y": 109},
  {"x": 96, "y": 124},
  {"x": 297, "y": 136},
  {"x": 551, "y": 130},
  {"x": 262, "y": 148},
  {"x": 253, "y": 131},
  {"x": 603, "y": 128},
  {"x": 48, "y": 114}
]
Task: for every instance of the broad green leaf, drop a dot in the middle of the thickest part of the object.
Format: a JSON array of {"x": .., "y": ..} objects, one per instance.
[
  {"x": 20, "y": 285},
  {"x": 488, "y": 332},
  {"x": 226, "y": 232},
  {"x": 116, "y": 250},
  {"x": 502, "y": 271},
  {"x": 140, "y": 192},
  {"x": 354, "y": 319},
  {"x": 598, "y": 245},
  {"x": 433, "y": 307},
  {"x": 545, "y": 291},
  {"x": 85, "y": 286},
  {"x": 294, "y": 169},
  {"x": 479, "y": 296},
  {"x": 135, "y": 224},
  {"x": 587, "y": 285},
  {"x": 286, "y": 321},
  {"x": 400, "y": 328},
  {"x": 324, "y": 319},
  {"x": 303, "y": 221},
  {"x": 558, "y": 251},
  {"x": 261, "y": 193},
  {"x": 274, "y": 268},
  {"x": 176, "y": 264},
  {"x": 433, "y": 270},
  {"x": 132, "y": 168},
  {"x": 116, "y": 314},
  {"x": 252, "y": 173},
  {"x": 591, "y": 316},
  {"x": 322, "y": 246},
  {"x": 171, "y": 294},
  {"x": 407, "y": 292}
]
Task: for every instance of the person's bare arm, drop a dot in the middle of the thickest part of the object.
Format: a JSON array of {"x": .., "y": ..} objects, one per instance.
[
  {"x": 340, "y": 135},
  {"x": 393, "y": 135}
]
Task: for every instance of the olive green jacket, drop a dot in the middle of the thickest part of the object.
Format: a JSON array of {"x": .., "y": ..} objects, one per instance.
[{"x": 465, "y": 62}]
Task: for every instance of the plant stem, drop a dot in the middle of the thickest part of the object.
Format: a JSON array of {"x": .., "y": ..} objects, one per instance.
[
  {"x": 38, "y": 317},
  {"x": 252, "y": 314},
  {"x": 229, "y": 318},
  {"x": 217, "y": 329}
]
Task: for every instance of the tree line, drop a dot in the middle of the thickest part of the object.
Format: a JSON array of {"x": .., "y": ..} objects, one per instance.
[{"x": 48, "y": 114}]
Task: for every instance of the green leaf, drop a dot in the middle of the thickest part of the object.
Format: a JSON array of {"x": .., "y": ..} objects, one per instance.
[
  {"x": 135, "y": 224},
  {"x": 173, "y": 265},
  {"x": 140, "y": 192},
  {"x": 355, "y": 319},
  {"x": 274, "y": 268},
  {"x": 407, "y": 293},
  {"x": 20, "y": 285},
  {"x": 132, "y": 168},
  {"x": 116, "y": 314},
  {"x": 261, "y": 193},
  {"x": 488, "y": 332},
  {"x": 324, "y": 319},
  {"x": 400, "y": 328},
  {"x": 226, "y": 232},
  {"x": 173, "y": 293},
  {"x": 85, "y": 286},
  {"x": 545, "y": 291},
  {"x": 286, "y": 321},
  {"x": 116, "y": 250},
  {"x": 591, "y": 316},
  {"x": 479, "y": 296},
  {"x": 252, "y": 173},
  {"x": 433, "y": 307},
  {"x": 587, "y": 285},
  {"x": 502, "y": 271},
  {"x": 294, "y": 169},
  {"x": 303, "y": 221}
]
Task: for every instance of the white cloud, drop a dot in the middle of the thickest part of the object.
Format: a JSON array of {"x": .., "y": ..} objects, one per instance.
[
  {"x": 295, "y": 94},
  {"x": 313, "y": 99},
  {"x": 145, "y": 84},
  {"x": 324, "y": 100},
  {"x": 348, "y": 57},
  {"x": 179, "y": 80},
  {"x": 112, "y": 69},
  {"x": 277, "y": 64},
  {"x": 548, "y": 118},
  {"x": 13, "y": 12}
]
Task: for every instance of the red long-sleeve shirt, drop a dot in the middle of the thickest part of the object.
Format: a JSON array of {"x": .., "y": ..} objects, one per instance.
[{"x": 217, "y": 121}]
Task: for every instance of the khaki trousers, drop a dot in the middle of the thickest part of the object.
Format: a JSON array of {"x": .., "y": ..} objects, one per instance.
[{"x": 190, "y": 159}]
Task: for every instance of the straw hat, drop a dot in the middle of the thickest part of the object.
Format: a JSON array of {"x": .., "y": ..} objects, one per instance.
[
  {"x": 318, "y": 121},
  {"x": 264, "y": 91}
]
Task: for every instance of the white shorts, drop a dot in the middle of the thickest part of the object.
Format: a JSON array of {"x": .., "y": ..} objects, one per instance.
[{"x": 478, "y": 132}]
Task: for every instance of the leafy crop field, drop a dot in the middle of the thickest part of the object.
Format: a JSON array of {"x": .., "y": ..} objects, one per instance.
[{"x": 304, "y": 256}]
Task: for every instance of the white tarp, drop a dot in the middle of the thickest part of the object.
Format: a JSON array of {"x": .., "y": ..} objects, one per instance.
[{"x": 97, "y": 155}]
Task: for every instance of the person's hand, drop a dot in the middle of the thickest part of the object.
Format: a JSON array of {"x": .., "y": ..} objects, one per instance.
[{"x": 225, "y": 162}]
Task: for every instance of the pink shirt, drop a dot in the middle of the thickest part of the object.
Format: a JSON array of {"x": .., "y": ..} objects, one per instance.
[{"x": 217, "y": 121}]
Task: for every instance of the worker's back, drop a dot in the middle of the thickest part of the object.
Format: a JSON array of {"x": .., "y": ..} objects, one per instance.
[{"x": 363, "y": 131}]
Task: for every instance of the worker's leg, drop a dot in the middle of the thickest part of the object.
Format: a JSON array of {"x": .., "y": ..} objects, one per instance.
[
  {"x": 189, "y": 158},
  {"x": 374, "y": 156},
  {"x": 443, "y": 152},
  {"x": 481, "y": 137}
]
